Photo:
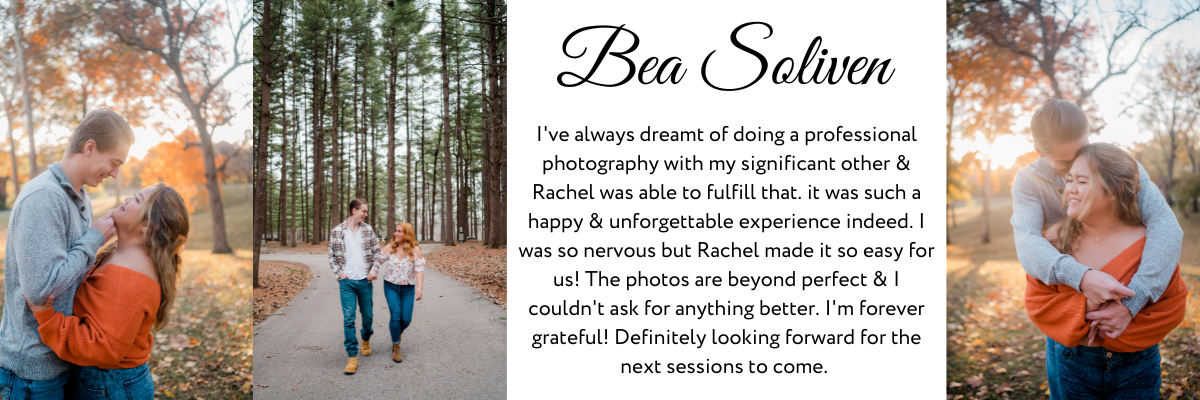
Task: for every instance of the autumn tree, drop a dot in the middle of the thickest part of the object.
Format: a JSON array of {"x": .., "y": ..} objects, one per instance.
[
  {"x": 1168, "y": 106},
  {"x": 1049, "y": 34},
  {"x": 181, "y": 36}
]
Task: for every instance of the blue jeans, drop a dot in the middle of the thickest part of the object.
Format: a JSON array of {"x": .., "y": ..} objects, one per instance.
[
  {"x": 122, "y": 383},
  {"x": 1052, "y": 355},
  {"x": 356, "y": 294},
  {"x": 400, "y": 304},
  {"x": 1096, "y": 373},
  {"x": 18, "y": 388}
]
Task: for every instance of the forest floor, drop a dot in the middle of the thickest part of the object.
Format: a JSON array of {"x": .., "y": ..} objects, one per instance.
[
  {"x": 483, "y": 269},
  {"x": 994, "y": 351},
  {"x": 207, "y": 349},
  {"x": 279, "y": 282}
]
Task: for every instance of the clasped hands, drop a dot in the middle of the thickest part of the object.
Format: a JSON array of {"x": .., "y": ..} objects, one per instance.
[{"x": 1108, "y": 315}]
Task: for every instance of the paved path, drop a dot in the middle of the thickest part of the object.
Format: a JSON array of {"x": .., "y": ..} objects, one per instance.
[{"x": 454, "y": 349}]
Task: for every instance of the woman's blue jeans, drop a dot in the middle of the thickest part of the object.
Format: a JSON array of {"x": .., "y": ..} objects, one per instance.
[
  {"x": 18, "y": 388},
  {"x": 1096, "y": 373},
  {"x": 125, "y": 383},
  {"x": 400, "y": 303}
]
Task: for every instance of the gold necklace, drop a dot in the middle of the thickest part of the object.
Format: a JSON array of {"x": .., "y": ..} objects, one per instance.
[{"x": 1105, "y": 235}]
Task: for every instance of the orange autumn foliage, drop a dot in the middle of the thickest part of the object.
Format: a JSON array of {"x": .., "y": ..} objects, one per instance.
[{"x": 178, "y": 165}]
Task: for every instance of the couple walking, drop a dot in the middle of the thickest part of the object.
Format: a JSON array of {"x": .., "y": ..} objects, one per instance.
[
  {"x": 78, "y": 313},
  {"x": 1101, "y": 249},
  {"x": 356, "y": 258}
]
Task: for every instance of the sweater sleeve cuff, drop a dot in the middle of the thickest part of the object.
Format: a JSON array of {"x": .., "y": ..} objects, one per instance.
[
  {"x": 93, "y": 239},
  {"x": 1140, "y": 297},
  {"x": 1071, "y": 274},
  {"x": 44, "y": 315}
]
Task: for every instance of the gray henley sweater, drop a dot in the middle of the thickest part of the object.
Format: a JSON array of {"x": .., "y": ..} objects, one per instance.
[
  {"x": 1037, "y": 200},
  {"x": 51, "y": 245}
]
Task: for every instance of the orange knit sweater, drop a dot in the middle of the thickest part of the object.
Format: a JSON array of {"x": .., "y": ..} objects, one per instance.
[
  {"x": 1058, "y": 310},
  {"x": 114, "y": 310}
]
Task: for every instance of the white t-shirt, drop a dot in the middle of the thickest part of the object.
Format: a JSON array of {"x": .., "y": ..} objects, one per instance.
[{"x": 356, "y": 267}]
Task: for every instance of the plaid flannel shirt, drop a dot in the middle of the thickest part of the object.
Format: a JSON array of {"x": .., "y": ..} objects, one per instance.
[{"x": 337, "y": 247}]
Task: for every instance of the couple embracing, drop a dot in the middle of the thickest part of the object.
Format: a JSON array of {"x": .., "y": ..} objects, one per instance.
[
  {"x": 78, "y": 313},
  {"x": 356, "y": 258},
  {"x": 1101, "y": 249}
]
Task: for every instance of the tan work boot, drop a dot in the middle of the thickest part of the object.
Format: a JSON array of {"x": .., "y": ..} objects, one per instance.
[
  {"x": 366, "y": 348},
  {"x": 396, "y": 356},
  {"x": 352, "y": 365}
]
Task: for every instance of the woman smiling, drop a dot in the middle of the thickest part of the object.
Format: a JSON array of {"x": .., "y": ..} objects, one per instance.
[
  {"x": 1092, "y": 356},
  {"x": 130, "y": 290}
]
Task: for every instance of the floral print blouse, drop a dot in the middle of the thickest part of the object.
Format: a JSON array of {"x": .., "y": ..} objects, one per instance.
[{"x": 401, "y": 271}]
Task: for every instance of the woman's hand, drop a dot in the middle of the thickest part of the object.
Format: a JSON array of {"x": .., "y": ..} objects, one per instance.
[
  {"x": 49, "y": 305},
  {"x": 1112, "y": 318},
  {"x": 1091, "y": 306},
  {"x": 417, "y": 297}
]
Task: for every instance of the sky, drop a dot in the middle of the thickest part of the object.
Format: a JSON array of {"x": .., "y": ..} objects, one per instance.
[
  {"x": 239, "y": 83},
  {"x": 1111, "y": 98}
]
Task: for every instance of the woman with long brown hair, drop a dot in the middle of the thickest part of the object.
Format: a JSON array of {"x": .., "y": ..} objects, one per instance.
[
  {"x": 129, "y": 291},
  {"x": 403, "y": 278},
  {"x": 1093, "y": 356}
]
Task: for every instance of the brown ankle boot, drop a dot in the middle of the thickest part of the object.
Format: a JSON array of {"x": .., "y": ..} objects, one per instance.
[
  {"x": 396, "y": 356},
  {"x": 366, "y": 348},
  {"x": 352, "y": 365}
]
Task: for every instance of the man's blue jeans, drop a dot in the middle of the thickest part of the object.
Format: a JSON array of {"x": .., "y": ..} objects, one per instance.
[
  {"x": 18, "y": 388},
  {"x": 400, "y": 304},
  {"x": 121, "y": 383},
  {"x": 356, "y": 294},
  {"x": 1096, "y": 373}
]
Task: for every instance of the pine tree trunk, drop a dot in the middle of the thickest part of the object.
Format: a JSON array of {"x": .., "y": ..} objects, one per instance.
[
  {"x": 461, "y": 217},
  {"x": 261, "y": 136},
  {"x": 448, "y": 204},
  {"x": 502, "y": 142},
  {"x": 318, "y": 148},
  {"x": 410, "y": 212},
  {"x": 486, "y": 177},
  {"x": 494, "y": 219},
  {"x": 334, "y": 72}
]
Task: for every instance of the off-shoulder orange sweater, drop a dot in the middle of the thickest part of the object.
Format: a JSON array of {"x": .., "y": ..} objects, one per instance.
[
  {"x": 114, "y": 310},
  {"x": 1059, "y": 310}
]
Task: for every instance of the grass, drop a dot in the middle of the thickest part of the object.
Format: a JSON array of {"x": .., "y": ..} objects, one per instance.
[
  {"x": 993, "y": 349},
  {"x": 206, "y": 351}
]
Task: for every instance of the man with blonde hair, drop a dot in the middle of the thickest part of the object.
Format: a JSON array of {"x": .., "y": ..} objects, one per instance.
[
  {"x": 52, "y": 242},
  {"x": 1059, "y": 130}
]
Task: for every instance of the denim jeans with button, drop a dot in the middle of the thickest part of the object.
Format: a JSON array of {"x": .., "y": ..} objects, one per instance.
[
  {"x": 356, "y": 294},
  {"x": 18, "y": 388},
  {"x": 400, "y": 304},
  {"x": 1097, "y": 373},
  {"x": 122, "y": 383}
]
